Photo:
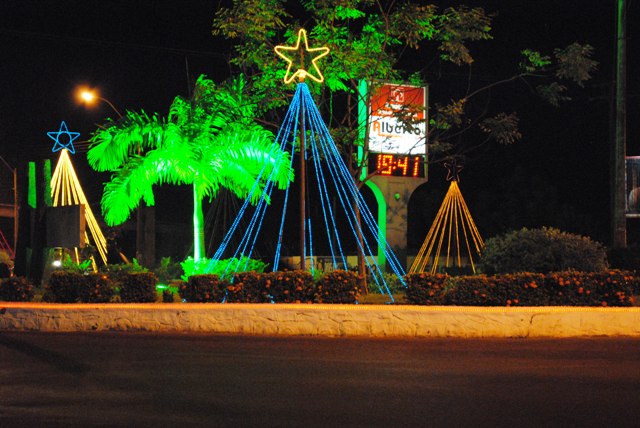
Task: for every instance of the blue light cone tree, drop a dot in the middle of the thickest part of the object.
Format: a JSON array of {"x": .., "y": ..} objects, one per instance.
[{"x": 329, "y": 184}]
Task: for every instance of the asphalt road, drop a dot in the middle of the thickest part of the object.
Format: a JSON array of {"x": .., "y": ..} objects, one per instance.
[{"x": 143, "y": 380}]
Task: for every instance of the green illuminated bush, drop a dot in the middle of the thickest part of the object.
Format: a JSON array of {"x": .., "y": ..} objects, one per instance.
[
  {"x": 16, "y": 289},
  {"x": 222, "y": 268},
  {"x": 138, "y": 287},
  {"x": 542, "y": 250},
  {"x": 168, "y": 270}
]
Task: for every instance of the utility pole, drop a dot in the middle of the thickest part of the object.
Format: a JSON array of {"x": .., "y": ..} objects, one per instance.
[{"x": 618, "y": 199}]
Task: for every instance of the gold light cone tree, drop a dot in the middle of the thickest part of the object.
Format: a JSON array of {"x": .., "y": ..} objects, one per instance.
[
  {"x": 452, "y": 236},
  {"x": 66, "y": 190}
]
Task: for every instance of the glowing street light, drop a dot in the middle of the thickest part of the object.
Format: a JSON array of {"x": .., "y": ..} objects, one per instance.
[{"x": 89, "y": 96}]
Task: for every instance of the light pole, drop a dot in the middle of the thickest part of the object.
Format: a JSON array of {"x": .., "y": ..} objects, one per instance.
[
  {"x": 145, "y": 221},
  {"x": 89, "y": 96}
]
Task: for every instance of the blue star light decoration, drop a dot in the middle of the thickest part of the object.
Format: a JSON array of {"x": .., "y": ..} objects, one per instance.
[{"x": 66, "y": 142}]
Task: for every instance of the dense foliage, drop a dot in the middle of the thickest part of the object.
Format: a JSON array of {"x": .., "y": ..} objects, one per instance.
[
  {"x": 542, "y": 250},
  {"x": 338, "y": 287},
  {"x": 207, "y": 141},
  {"x": 608, "y": 288},
  {"x": 225, "y": 268},
  {"x": 203, "y": 289},
  {"x": 293, "y": 286},
  {"x": 63, "y": 287},
  {"x": 369, "y": 42},
  {"x": 139, "y": 287},
  {"x": 15, "y": 289},
  {"x": 96, "y": 288}
]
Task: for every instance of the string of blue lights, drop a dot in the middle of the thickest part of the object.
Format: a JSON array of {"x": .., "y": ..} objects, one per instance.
[{"x": 328, "y": 178}]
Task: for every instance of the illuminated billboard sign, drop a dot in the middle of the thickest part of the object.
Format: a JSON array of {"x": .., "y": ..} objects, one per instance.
[
  {"x": 387, "y": 132},
  {"x": 393, "y": 164}
]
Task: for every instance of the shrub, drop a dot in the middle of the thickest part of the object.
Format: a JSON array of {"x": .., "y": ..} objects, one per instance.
[
  {"x": 167, "y": 296},
  {"x": 426, "y": 288},
  {"x": 292, "y": 286},
  {"x": 612, "y": 288},
  {"x": 339, "y": 286},
  {"x": 524, "y": 289},
  {"x": 203, "y": 289},
  {"x": 63, "y": 287},
  {"x": 394, "y": 284},
  {"x": 138, "y": 287},
  {"x": 168, "y": 270},
  {"x": 95, "y": 288},
  {"x": 542, "y": 250},
  {"x": 68, "y": 265},
  {"x": 16, "y": 289},
  {"x": 248, "y": 287},
  {"x": 117, "y": 270},
  {"x": 223, "y": 268},
  {"x": 482, "y": 290}
]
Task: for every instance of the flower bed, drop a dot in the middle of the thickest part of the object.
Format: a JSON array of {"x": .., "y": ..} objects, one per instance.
[{"x": 611, "y": 288}]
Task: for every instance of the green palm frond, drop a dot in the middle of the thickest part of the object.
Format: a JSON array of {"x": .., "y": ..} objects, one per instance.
[
  {"x": 240, "y": 156},
  {"x": 112, "y": 144},
  {"x": 127, "y": 187}
]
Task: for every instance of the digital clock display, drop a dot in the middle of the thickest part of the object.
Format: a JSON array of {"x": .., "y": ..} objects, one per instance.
[{"x": 397, "y": 165}]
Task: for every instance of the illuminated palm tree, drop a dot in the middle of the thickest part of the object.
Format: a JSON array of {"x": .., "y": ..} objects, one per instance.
[{"x": 208, "y": 141}]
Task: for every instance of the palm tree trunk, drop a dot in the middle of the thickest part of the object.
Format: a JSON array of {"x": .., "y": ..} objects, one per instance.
[{"x": 198, "y": 225}]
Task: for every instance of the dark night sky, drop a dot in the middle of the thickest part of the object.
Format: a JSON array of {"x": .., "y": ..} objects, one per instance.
[{"x": 142, "y": 53}]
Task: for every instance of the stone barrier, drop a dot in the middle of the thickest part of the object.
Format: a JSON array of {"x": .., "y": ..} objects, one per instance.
[{"x": 324, "y": 320}]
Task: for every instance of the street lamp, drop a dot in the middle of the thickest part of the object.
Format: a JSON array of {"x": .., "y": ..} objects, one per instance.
[
  {"x": 145, "y": 224},
  {"x": 89, "y": 96}
]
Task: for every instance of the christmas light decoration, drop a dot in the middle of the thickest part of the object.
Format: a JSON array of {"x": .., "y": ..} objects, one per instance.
[
  {"x": 295, "y": 53},
  {"x": 329, "y": 177},
  {"x": 63, "y": 134},
  {"x": 66, "y": 190},
  {"x": 453, "y": 222}
]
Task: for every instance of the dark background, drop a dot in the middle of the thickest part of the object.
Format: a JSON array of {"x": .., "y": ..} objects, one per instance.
[{"x": 142, "y": 54}]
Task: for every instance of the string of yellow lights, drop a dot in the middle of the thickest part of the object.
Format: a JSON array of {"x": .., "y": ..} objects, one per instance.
[
  {"x": 66, "y": 190},
  {"x": 452, "y": 220}
]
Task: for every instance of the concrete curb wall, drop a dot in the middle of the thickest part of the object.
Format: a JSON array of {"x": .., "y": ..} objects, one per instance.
[{"x": 324, "y": 320}]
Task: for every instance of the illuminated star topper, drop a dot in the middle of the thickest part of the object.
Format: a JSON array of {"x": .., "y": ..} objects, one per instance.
[
  {"x": 296, "y": 53},
  {"x": 453, "y": 170},
  {"x": 67, "y": 141}
]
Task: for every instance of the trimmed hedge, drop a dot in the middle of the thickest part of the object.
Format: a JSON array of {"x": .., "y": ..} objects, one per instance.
[
  {"x": 339, "y": 286},
  {"x": 63, "y": 287},
  {"x": 612, "y": 288},
  {"x": 96, "y": 288},
  {"x": 291, "y": 286},
  {"x": 426, "y": 288},
  {"x": 203, "y": 289},
  {"x": 247, "y": 287},
  {"x": 138, "y": 287},
  {"x": 16, "y": 289}
]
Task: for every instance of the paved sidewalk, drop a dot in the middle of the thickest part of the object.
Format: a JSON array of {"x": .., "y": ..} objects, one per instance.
[{"x": 324, "y": 320}]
